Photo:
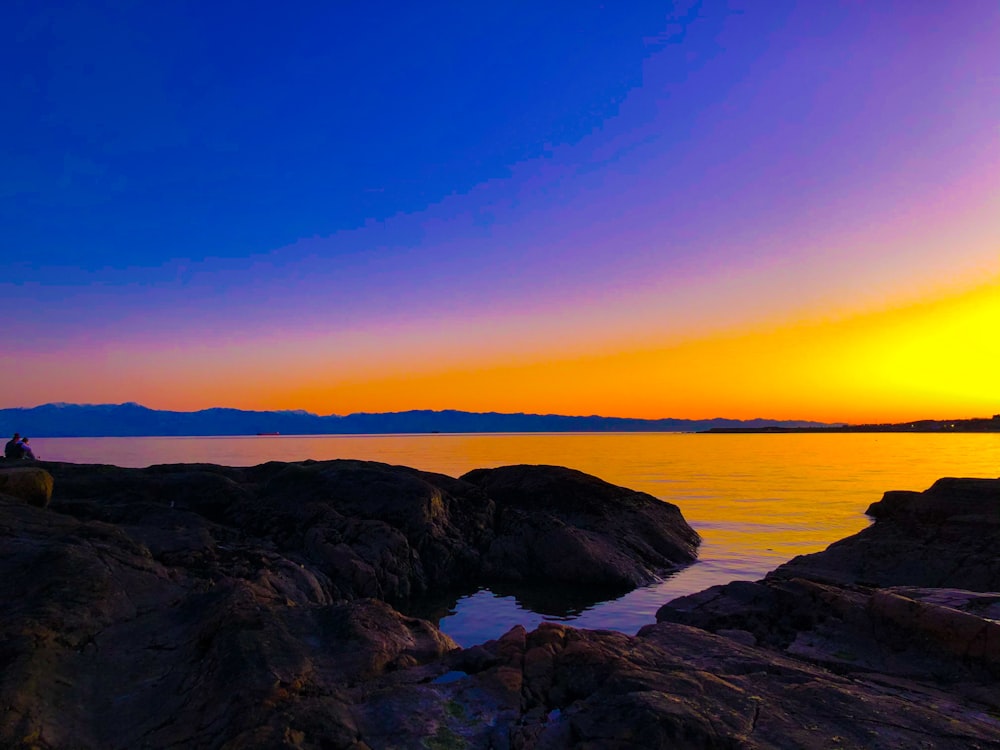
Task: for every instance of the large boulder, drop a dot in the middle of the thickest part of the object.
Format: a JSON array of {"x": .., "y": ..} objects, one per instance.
[
  {"x": 30, "y": 484},
  {"x": 912, "y": 597},
  {"x": 368, "y": 529},
  {"x": 376, "y": 530},
  {"x": 946, "y": 536},
  {"x": 555, "y": 524}
]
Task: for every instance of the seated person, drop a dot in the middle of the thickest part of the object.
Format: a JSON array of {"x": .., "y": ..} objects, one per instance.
[
  {"x": 13, "y": 448},
  {"x": 28, "y": 453}
]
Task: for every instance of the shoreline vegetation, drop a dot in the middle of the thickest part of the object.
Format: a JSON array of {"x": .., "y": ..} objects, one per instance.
[{"x": 222, "y": 607}]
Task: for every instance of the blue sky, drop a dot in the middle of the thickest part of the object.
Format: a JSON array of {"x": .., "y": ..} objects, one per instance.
[{"x": 139, "y": 133}]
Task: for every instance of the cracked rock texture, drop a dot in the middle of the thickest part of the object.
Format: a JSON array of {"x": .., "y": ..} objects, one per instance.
[
  {"x": 909, "y": 604},
  {"x": 213, "y": 607},
  {"x": 206, "y": 606}
]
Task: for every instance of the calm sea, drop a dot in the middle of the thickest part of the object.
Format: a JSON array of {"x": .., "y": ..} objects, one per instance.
[{"x": 757, "y": 500}]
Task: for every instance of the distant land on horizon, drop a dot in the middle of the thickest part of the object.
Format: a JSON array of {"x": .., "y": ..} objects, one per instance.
[
  {"x": 976, "y": 424},
  {"x": 135, "y": 420}
]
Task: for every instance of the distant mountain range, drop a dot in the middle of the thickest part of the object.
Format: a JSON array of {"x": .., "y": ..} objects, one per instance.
[{"x": 133, "y": 420}]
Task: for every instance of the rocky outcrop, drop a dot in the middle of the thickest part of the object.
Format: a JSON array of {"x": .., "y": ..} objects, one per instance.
[
  {"x": 375, "y": 530},
  {"x": 213, "y": 607},
  {"x": 559, "y": 525},
  {"x": 392, "y": 532},
  {"x": 207, "y": 606},
  {"x": 907, "y": 602},
  {"x": 944, "y": 537},
  {"x": 29, "y": 484},
  {"x": 935, "y": 635}
]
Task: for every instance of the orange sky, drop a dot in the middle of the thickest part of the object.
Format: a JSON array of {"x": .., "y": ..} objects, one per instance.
[
  {"x": 938, "y": 358},
  {"x": 943, "y": 355}
]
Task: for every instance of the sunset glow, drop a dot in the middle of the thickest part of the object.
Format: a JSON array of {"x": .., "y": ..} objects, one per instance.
[{"x": 781, "y": 210}]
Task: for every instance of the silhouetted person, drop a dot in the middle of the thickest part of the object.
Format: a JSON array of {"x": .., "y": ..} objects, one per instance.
[
  {"x": 27, "y": 452},
  {"x": 14, "y": 449}
]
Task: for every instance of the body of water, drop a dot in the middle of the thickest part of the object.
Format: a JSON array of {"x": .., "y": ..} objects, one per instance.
[{"x": 757, "y": 500}]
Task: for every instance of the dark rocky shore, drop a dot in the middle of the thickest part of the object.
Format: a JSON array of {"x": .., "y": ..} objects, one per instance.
[{"x": 199, "y": 606}]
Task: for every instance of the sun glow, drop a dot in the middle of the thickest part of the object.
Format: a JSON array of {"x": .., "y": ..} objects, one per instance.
[{"x": 935, "y": 359}]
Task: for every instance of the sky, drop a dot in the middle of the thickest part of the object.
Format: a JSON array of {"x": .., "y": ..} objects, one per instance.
[{"x": 787, "y": 210}]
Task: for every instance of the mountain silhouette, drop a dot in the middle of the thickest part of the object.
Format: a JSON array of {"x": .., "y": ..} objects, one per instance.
[{"x": 133, "y": 420}]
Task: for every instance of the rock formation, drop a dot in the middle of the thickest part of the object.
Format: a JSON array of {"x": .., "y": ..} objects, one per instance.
[
  {"x": 559, "y": 525},
  {"x": 201, "y": 605},
  {"x": 943, "y": 537},
  {"x": 212, "y": 607},
  {"x": 30, "y": 484},
  {"x": 908, "y": 604}
]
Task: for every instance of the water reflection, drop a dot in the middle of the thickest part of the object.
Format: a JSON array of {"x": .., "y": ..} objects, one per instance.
[
  {"x": 485, "y": 614},
  {"x": 488, "y": 612},
  {"x": 557, "y": 602},
  {"x": 548, "y": 601}
]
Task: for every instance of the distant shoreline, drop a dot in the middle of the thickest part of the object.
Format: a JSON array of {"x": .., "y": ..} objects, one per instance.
[
  {"x": 924, "y": 425},
  {"x": 135, "y": 420}
]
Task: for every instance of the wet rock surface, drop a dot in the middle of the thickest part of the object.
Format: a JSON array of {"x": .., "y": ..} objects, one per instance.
[{"x": 214, "y": 607}]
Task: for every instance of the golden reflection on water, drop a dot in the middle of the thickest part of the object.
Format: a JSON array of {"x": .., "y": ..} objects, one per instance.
[{"x": 757, "y": 500}]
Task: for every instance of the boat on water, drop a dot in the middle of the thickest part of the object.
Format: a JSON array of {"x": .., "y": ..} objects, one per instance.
[{"x": 259, "y": 434}]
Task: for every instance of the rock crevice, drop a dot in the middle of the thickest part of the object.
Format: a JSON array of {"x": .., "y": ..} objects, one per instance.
[{"x": 214, "y": 607}]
